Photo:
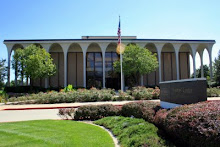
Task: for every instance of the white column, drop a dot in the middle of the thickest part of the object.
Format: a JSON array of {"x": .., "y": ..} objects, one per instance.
[
  {"x": 47, "y": 48},
  {"x": 210, "y": 63},
  {"x": 177, "y": 48},
  {"x": 84, "y": 47},
  {"x": 103, "y": 68},
  {"x": 9, "y": 64},
  {"x": 65, "y": 68},
  {"x": 194, "y": 64},
  {"x": 201, "y": 58},
  {"x": 65, "y": 47},
  {"x": 159, "y": 49},
  {"x": 84, "y": 69}
]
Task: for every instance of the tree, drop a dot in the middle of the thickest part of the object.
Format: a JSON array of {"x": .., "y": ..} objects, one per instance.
[
  {"x": 217, "y": 69},
  {"x": 137, "y": 61},
  {"x": 3, "y": 72},
  {"x": 199, "y": 73},
  {"x": 33, "y": 62}
]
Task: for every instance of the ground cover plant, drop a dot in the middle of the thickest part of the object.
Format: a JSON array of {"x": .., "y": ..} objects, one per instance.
[
  {"x": 133, "y": 132},
  {"x": 53, "y": 133}
]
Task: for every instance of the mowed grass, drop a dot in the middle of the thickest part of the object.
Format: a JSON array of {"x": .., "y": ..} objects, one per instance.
[{"x": 51, "y": 133}]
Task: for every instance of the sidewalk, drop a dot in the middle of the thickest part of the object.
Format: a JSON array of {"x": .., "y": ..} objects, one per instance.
[{"x": 68, "y": 105}]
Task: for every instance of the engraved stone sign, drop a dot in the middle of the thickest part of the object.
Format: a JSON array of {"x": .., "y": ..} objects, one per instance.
[{"x": 179, "y": 92}]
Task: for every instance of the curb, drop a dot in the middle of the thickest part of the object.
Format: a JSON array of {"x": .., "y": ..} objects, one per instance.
[{"x": 42, "y": 108}]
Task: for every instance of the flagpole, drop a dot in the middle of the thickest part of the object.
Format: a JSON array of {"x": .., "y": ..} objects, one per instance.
[
  {"x": 121, "y": 58},
  {"x": 122, "y": 84}
]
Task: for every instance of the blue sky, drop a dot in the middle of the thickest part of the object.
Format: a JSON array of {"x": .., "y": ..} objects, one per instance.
[{"x": 153, "y": 19}]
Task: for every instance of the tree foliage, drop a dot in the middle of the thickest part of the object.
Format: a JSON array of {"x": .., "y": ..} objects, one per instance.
[
  {"x": 3, "y": 72},
  {"x": 206, "y": 71},
  {"x": 33, "y": 62},
  {"x": 217, "y": 69},
  {"x": 137, "y": 61}
]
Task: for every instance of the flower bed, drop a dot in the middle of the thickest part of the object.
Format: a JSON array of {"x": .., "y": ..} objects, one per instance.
[{"x": 133, "y": 132}]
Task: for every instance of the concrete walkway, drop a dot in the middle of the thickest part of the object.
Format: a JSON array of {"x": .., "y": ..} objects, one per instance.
[
  {"x": 57, "y": 106},
  {"x": 69, "y": 105}
]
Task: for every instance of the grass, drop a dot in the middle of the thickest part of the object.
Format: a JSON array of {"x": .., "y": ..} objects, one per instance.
[
  {"x": 53, "y": 133},
  {"x": 133, "y": 132}
]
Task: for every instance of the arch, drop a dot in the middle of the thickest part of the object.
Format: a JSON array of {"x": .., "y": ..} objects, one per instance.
[
  {"x": 112, "y": 78},
  {"x": 168, "y": 62},
  {"x": 151, "y": 47},
  {"x": 75, "y": 65},
  {"x": 184, "y": 61},
  {"x": 55, "y": 47},
  {"x": 57, "y": 54},
  {"x": 94, "y": 66},
  {"x": 17, "y": 46}
]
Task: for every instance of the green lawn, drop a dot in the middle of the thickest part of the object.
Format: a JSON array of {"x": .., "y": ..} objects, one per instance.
[{"x": 53, "y": 133}]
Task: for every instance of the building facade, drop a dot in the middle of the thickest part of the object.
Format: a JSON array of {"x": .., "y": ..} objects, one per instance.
[{"x": 88, "y": 61}]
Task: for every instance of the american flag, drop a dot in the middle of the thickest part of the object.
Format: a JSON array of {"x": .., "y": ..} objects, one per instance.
[{"x": 119, "y": 32}]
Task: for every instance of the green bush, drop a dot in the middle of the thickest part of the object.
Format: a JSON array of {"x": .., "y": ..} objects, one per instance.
[
  {"x": 192, "y": 125},
  {"x": 213, "y": 92},
  {"x": 143, "y": 93},
  {"x": 94, "y": 112},
  {"x": 122, "y": 96},
  {"x": 133, "y": 132},
  {"x": 141, "y": 109}
]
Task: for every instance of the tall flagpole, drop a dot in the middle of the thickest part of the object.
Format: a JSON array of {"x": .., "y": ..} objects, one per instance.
[{"x": 122, "y": 83}]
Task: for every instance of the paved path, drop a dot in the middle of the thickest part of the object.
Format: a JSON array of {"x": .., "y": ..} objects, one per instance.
[
  {"x": 57, "y": 106},
  {"x": 24, "y": 115}
]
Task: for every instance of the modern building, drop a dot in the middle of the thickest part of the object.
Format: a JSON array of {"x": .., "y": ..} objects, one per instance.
[{"x": 89, "y": 61}]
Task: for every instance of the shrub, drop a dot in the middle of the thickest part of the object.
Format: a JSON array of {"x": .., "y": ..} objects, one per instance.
[
  {"x": 133, "y": 132},
  {"x": 143, "y": 93},
  {"x": 194, "y": 125},
  {"x": 66, "y": 113},
  {"x": 141, "y": 109},
  {"x": 122, "y": 96},
  {"x": 94, "y": 112},
  {"x": 213, "y": 92}
]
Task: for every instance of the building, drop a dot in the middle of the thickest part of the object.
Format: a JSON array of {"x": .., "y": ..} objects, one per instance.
[{"x": 81, "y": 62}]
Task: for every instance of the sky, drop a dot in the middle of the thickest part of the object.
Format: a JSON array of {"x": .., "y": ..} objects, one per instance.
[{"x": 148, "y": 19}]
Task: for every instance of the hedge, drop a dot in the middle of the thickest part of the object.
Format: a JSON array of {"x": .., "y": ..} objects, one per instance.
[
  {"x": 141, "y": 109},
  {"x": 90, "y": 112},
  {"x": 192, "y": 125}
]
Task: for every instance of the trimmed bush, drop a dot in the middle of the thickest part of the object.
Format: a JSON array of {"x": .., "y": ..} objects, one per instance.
[
  {"x": 213, "y": 92},
  {"x": 141, "y": 109},
  {"x": 94, "y": 112},
  {"x": 192, "y": 125},
  {"x": 143, "y": 93},
  {"x": 133, "y": 132}
]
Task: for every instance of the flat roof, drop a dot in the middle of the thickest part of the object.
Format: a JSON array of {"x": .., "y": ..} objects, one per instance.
[
  {"x": 110, "y": 38},
  {"x": 188, "y": 40}
]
